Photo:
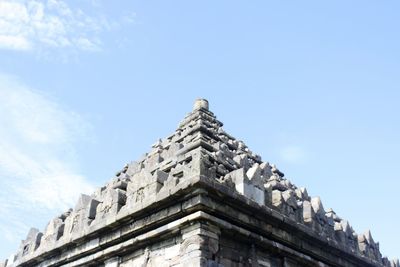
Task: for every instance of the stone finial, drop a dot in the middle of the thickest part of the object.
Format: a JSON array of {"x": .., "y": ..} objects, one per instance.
[{"x": 200, "y": 103}]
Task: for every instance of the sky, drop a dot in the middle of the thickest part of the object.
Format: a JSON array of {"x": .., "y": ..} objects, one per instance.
[{"x": 87, "y": 86}]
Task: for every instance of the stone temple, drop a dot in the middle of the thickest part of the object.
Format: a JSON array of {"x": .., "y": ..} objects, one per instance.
[{"x": 199, "y": 198}]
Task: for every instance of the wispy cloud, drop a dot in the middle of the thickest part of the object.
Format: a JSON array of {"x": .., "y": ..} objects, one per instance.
[
  {"x": 38, "y": 171},
  {"x": 293, "y": 154},
  {"x": 34, "y": 24}
]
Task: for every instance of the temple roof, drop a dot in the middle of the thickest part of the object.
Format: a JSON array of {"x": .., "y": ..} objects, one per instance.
[{"x": 198, "y": 147}]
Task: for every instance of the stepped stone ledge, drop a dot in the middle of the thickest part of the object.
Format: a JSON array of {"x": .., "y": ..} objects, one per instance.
[{"x": 198, "y": 152}]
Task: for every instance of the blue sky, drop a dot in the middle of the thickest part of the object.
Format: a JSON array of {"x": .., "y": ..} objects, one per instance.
[{"x": 312, "y": 86}]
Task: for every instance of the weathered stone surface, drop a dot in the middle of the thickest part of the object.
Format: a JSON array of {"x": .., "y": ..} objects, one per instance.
[
  {"x": 308, "y": 212},
  {"x": 30, "y": 244},
  {"x": 113, "y": 262},
  {"x": 53, "y": 232}
]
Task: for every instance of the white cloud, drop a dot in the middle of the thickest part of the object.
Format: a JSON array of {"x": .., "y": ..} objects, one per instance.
[
  {"x": 293, "y": 154},
  {"x": 38, "y": 173},
  {"x": 34, "y": 24}
]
